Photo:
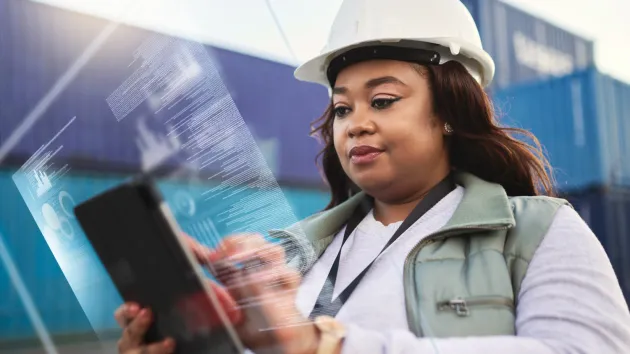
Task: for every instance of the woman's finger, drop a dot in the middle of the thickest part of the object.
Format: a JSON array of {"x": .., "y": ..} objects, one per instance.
[
  {"x": 269, "y": 285},
  {"x": 285, "y": 278},
  {"x": 166, "y": 346},
  {"x": 202, "y": 253},
  {"x": 237, "y": 243},
  {"x": 119, "y": 315},
  {"x": 247, "y": 248},
  {"x": 228, "y": 304},
  {"x": 133, "y": 334},
  {"x": 126, "y": 313}
]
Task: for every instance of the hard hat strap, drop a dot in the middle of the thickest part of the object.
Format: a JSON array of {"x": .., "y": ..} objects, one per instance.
[{"x": 353, "y": 56}]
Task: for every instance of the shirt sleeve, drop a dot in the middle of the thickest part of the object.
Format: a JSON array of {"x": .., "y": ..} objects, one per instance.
[{"x": 570, "y": 302}]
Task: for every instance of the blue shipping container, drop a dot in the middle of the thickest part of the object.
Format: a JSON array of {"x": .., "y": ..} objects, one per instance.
[
  {"x": 38, "y": 43},
  {"x": 607, "y": 212},
  {"x": 525, "y": 47},
  {"x": 583, "y": 122}
]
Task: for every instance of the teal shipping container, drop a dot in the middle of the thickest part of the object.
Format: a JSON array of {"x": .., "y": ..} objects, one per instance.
[
  {"x": 583, "y": 122},
  {"x": 55, "y": 300}
]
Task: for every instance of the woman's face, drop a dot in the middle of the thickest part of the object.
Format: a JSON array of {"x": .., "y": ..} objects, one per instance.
[{"x": 385, "y": 133}]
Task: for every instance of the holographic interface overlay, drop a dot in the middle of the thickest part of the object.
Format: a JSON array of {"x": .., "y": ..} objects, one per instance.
[{"x": 189, "y": 135}]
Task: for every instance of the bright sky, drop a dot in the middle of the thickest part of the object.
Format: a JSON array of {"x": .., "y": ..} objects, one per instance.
[{"x": 248, "y": 25}]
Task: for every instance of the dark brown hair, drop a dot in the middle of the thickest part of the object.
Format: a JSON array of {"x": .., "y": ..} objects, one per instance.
[{"x": 479, "y": 145}]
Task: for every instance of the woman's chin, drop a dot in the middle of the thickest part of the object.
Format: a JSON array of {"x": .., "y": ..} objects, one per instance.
[{"x": 372, "y": 182}]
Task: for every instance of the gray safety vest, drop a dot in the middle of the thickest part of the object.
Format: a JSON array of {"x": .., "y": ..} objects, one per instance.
[{"x": 464, "y": 279}]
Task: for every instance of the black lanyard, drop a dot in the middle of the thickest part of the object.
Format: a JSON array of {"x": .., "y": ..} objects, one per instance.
[{"x": 324, "y": 304}]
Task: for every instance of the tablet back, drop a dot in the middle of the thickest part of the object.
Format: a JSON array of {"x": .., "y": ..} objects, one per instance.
[{"x": 136, "y": 239}]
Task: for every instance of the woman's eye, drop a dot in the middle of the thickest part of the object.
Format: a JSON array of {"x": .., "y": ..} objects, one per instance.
[
  {"x": 382, "y": 103},
  {"x": 341, "y": 111}
]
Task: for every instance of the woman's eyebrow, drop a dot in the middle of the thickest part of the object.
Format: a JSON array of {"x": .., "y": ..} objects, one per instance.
[{"x": 370, "y": 84}]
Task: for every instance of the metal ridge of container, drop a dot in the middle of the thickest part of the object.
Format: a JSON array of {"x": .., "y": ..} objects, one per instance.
[
  {"x": 37, "y": 57},
  {"x": 607, "y": 212},
  {"x": 277, "y": 109},
  {"x": 52, "y": 295},
  {"x": 583, "y": 122},
  {"x": 526, "y": 47}
]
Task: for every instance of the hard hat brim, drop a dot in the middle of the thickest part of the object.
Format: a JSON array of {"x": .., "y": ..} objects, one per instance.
[{"x": 314, "y": 70}]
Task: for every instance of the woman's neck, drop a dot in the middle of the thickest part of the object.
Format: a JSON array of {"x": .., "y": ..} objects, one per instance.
[{"x": 390, "y": 212}]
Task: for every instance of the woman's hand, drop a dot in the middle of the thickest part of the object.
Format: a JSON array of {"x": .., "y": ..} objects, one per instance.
[
  {"x": 135, "y": 321},
  {"x": 265, "y": 289},
  {"x": 259, "y": 299}
]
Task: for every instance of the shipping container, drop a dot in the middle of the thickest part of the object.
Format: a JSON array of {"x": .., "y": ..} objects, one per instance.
[
  {"x": 38, "y": 46},
  {"x": 525, "y": 47},
  {"x": 54, "y": 298},
  {"x": 39, "y": 43},
  {"x": 39, "y": 271},
  {"x": 583, "y": 122},
  {"x": 607, "y": 211}
]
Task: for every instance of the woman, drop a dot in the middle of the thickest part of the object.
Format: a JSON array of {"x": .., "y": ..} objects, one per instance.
[{"x": 439, "y": 236}]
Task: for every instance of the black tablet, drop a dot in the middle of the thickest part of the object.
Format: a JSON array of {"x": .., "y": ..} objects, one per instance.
[{"x": 138, "y": 241}]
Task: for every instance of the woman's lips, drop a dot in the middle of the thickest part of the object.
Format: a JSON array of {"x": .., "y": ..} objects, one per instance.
[
  {"x": 365, "y": 159},
  {"x": 364, "y": 154}
]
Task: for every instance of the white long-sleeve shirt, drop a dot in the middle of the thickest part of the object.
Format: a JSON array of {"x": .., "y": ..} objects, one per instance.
[{"x": 570, "y": 300}]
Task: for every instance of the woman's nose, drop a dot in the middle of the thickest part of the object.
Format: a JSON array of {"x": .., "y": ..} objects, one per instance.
[{"x": 360, "y": 124}]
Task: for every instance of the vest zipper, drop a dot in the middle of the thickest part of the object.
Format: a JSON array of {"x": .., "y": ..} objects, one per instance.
[
  {"x": 413, "y": 318},
  {"x": 461, "y": 306}
]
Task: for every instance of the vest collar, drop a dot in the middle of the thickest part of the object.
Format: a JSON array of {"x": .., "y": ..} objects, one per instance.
[{"x": 484, "y": 205}]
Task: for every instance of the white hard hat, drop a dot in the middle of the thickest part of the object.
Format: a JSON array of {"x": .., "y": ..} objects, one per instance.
[{"x": 424, "y": 31}]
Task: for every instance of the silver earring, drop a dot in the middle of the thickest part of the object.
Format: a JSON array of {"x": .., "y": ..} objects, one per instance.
[{"x": 448, "y": 129}]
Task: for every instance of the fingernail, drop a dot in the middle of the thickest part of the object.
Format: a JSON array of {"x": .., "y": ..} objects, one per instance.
[
  {"x": 144, "y": 314},
  {"x": 132, "y": 308},
  {"x": 169, "y": 344},
  {"x": 213, "y": 256}
]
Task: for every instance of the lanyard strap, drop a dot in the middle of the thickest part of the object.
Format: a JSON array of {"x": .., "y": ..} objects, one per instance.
[{"x": 324, "y": 304}]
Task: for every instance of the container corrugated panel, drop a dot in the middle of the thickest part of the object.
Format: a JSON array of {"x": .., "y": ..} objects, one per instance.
[
  {"x": 38, "y": 45},
  {"x": 39, "y": 271},
  {"x": 607, "y": 212},
  {"x": 612, "y": 106},
  {"x": 48, "y": 286},
  {"x": 582, "y": 122},
  {"x": 525, "y": 47},
  {"x": 40, "y": 42}
]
